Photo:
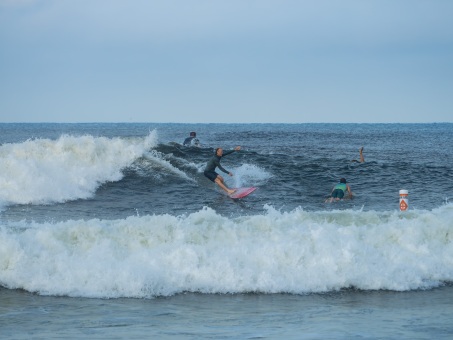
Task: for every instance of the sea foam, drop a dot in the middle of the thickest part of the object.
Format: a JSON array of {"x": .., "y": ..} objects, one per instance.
[
  {"x": 44, "y": 171},
  {"x": 295, "y": 252}
]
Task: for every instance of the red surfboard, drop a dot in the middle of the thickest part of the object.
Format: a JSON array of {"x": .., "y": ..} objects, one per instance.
[{"x": 242, "y": 192}]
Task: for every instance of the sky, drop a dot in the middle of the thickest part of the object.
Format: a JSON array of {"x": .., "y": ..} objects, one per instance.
[{"x": 232, "y": 61}]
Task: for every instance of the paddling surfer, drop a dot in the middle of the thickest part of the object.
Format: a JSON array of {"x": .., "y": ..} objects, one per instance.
[
  {"x": 339, "y": 191},
  {"x": 213, "y": 163},
  {"x": 192, "y": 140}
]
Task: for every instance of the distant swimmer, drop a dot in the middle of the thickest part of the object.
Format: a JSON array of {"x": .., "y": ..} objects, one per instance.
[
  {"x": 192, "y": 140},
  {"x": 213, "y": 163},
  {"x": 339, "y": 191},
  {"x": 362, "y": 159}
]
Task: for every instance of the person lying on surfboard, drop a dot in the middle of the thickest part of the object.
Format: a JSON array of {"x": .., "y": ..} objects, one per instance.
[
  {"x": 339, "y": 190},
  {"x": 213, "y": 163}
]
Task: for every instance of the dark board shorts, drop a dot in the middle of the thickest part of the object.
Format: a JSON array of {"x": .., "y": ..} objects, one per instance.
[
  {"x": 338, "y": 193},
  {"x": 212, "y": 175}
]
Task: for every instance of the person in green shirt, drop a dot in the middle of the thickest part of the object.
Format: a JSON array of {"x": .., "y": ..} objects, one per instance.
[{"x": 339, "y": 191}]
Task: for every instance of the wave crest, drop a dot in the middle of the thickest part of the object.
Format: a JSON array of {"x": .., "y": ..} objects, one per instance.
[{"x": 44, "y": 171}]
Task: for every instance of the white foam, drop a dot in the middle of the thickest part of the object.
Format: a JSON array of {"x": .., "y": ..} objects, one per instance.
[
  {"x": 296, "y": 252},
  {"x": 43, "y": 171},
  {"x": 158, "y": 161},
  {"x": 248, "y": 175},
  {"x": 244, "y": 175}
]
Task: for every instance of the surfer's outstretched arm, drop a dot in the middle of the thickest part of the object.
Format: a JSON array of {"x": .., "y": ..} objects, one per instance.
[
  {"x": 237, "y": 148},
  {"x": 362, "y": 159}
]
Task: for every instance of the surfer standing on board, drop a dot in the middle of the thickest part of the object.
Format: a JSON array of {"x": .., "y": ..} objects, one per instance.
[{"x": 213, "y": 163}]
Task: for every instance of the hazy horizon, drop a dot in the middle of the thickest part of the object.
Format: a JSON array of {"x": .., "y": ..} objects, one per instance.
[{"x": 226, "y": 62}]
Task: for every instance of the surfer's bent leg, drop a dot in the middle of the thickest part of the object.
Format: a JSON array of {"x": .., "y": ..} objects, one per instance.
[
  {"x": 216, "y": 178},
  {"x": 220, "y": 183}
]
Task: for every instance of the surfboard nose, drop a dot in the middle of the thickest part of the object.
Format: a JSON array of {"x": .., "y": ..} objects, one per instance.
[{"x": 242, "y": 192}]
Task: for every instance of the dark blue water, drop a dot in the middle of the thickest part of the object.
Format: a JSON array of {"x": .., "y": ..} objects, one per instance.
[{"x": 293, "y": 166}]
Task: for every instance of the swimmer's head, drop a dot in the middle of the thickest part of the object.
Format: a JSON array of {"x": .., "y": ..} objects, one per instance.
[
  {"x": 193, "y": 134},
  {"x": 343, "y": 180}
]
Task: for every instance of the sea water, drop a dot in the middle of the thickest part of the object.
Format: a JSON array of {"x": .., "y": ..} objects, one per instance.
[{"x": 111, "y": 230}]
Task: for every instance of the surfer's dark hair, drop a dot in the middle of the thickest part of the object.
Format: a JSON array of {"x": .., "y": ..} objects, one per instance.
[
  {"x": 193, "y": 134},
  {"x": 215, "y": 152},
  {"x": 343, "y": 180}
]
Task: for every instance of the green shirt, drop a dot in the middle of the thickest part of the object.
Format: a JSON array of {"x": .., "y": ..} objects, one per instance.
[{"x": 341, "y": 186}]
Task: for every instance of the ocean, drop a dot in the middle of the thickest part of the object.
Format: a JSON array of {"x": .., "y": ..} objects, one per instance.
[{"x": 112, "y": 231}]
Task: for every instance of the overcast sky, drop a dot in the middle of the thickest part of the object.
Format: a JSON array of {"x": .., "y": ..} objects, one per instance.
[{"x": 231, "y": 61}]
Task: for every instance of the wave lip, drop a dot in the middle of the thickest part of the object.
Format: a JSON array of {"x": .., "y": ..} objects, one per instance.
[
  {"x": 44, "y": 171},
  {"x": 295, "y": 252}
]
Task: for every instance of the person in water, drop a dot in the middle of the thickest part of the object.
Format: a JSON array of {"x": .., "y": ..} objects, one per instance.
[
  {"x": 213, "y": 163},
  {"x": 339, "y": 191},
  {"x": 192, "y": 140},
  {"x": 362, "y": 159}
]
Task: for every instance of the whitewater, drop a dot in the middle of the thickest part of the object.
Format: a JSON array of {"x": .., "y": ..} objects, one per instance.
[{"x": 294, "y": 252}]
